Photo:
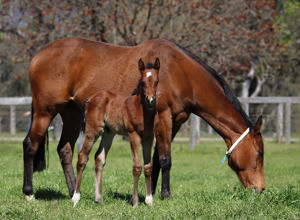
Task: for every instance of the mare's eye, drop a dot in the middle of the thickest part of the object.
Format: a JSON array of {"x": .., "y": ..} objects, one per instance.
[{"x": 260, "y": 153}]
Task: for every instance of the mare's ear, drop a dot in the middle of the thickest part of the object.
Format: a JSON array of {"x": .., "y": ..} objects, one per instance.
[
  {"x": 156, "y": 64},
  {"x": 258, "y": 125},
  {"x": 141, "y": 65}
]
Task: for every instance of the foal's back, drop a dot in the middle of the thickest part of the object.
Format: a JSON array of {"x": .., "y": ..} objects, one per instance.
[{"x": 119, "y": 113}]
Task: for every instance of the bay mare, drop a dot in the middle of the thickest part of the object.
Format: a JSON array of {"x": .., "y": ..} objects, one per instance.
[{"x": 68, "y": 71}]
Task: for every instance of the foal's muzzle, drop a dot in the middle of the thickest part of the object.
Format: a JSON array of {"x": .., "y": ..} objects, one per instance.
[{"x": 150, "y": 102}]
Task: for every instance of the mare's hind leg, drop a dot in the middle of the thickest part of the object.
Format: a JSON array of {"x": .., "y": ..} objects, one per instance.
[
  {"x": 100, "y": 159},
  {"x": 71, "y": 127},
  {"x": 135, "y": 143},
  {"x": 31, "y": 143}
]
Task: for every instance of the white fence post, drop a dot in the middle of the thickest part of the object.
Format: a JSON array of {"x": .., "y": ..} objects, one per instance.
[
  {"x": 280, "y": 122},
  {"x": 13, "y": 119},
  {"x": 195, "y": 131},
  {"x": 288, "y": 122}
]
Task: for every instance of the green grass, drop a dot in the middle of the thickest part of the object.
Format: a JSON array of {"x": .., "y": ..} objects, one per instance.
[{"x": 202, "y": 187}]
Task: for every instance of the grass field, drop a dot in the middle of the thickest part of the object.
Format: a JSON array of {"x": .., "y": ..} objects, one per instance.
[{"x": 202, "y": 187}]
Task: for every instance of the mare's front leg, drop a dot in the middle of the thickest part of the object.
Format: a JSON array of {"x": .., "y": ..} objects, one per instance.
[
  {"x": 100, "y": 159},
  {"x": 162, "y": 154},
  {"x": 147, "y": 143},
  {"x": 135, "y": 143}
]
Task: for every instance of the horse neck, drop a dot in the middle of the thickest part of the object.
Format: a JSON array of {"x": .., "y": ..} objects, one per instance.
[
  {"x": 229, "y": 130},
  {"x": 222, "y": 115},
  {"x": 148, "y": 114}
]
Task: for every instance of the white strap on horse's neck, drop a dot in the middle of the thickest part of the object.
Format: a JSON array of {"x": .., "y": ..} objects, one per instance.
[{"x": 228, "y": 152}]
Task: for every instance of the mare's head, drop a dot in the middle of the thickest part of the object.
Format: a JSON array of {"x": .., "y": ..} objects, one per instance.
[
  {"x": 247, "y": 159},
  {"x": 148, "y": 82}
]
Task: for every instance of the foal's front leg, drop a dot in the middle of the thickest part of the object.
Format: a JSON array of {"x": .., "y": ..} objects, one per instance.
[
  {"x": 147, "y": 143},
  {"x": 135, "y": 142}
]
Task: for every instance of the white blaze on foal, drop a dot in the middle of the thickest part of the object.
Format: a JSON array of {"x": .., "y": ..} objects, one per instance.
[{"x": 148, "y": 74}]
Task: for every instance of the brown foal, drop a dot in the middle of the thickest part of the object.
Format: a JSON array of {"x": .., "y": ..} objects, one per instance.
[{"x": 109, "y": 113}]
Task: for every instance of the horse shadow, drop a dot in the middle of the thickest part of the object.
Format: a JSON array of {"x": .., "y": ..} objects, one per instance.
[
  {"x": 49, "y": 194},
  {"x": 124, "y": 196}
]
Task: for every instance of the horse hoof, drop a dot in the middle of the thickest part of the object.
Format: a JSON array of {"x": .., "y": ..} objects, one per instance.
[
  {"x": 30, "y": 197},
  {"x": 75, "y": 198},
  {"x": 134, "y": 203},
  {"x": 149, "y": 200},
  {"x": 165, "y": 195},
  {"x": 99, "y": 199}
]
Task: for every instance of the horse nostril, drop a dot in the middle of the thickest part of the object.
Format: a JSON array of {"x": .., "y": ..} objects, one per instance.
[
  {"x": 259, "y": 191},
  {"x": 151, "y": 100}
]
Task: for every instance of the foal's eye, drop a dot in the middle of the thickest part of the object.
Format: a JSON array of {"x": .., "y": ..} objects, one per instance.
[{"x": 156, "y": 83}]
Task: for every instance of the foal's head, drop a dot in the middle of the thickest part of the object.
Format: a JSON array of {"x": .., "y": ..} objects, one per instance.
[{"x": 148, "y": 83}]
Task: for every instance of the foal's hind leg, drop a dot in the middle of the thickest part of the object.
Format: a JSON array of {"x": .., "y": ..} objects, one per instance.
[
  {"x": 83, "y": 157},
  {"x": 100, "y": 159},
  {"x": 31, "y": 143},
  {"x": 135, "y": 143},
  {"x": 71, "y": 127}
]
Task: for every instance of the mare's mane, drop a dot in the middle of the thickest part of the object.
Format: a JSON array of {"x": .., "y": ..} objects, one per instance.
[{"x": 228, "y": 92}]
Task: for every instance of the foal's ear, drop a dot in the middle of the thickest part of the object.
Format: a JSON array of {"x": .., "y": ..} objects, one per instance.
[
  {"x": 258, "y": 125},
  {"x": 141, "y": 65},
  {"x": 156, "y": 64}
]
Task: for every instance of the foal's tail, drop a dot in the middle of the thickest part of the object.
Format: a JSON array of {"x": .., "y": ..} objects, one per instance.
[
  {"x": 39, "y": 162},
  {"x": 83, "y": 114}
]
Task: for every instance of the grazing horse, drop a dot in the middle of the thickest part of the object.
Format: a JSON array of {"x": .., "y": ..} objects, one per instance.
[
  {"x": 111, "y": 113},
  {"x": 68, "y": 71}
]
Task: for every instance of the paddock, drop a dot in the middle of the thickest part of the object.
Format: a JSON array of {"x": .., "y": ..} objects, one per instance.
[{"x": 202, "y": 187}]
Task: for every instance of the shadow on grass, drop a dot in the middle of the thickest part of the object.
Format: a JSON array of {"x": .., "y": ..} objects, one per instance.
[
  {"x": 49, "y": 194},
  {"x": 124, "y": 196}
]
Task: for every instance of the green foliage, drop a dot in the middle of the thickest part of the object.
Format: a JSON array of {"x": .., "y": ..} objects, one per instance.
[
  {"x": 202, "y": 187},
  {"x": 226, "y": 34}
]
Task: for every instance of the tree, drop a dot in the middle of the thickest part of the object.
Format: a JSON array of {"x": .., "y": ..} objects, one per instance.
[{"x": 226, "y": 34}]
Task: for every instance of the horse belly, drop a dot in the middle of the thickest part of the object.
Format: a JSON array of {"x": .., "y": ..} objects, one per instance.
[{"x": 114, "y": 117}]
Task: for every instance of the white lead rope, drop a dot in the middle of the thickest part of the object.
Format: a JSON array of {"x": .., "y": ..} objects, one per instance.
[{"x": 228, "y": 152}]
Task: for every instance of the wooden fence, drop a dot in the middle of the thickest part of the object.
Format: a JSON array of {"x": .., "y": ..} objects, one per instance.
[{"x": 284, "y": 105}]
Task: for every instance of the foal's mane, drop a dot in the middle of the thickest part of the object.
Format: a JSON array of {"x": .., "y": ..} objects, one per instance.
[
  {"x": 138, "y": 89},
  {"x": 228, "y": 92}
]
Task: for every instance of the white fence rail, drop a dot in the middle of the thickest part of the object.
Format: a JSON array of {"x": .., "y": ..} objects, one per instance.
[{"x": 284, "y": 105}]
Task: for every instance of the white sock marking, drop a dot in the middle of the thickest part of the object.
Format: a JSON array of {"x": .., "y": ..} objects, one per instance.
[
  {"x": 30, "y": 197},
  {"x": 149, "y": 200},
  {"x": 75, "y": 198}
]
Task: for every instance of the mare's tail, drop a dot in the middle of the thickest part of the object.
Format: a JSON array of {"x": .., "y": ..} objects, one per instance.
[{"x": 39, "y": 162}]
